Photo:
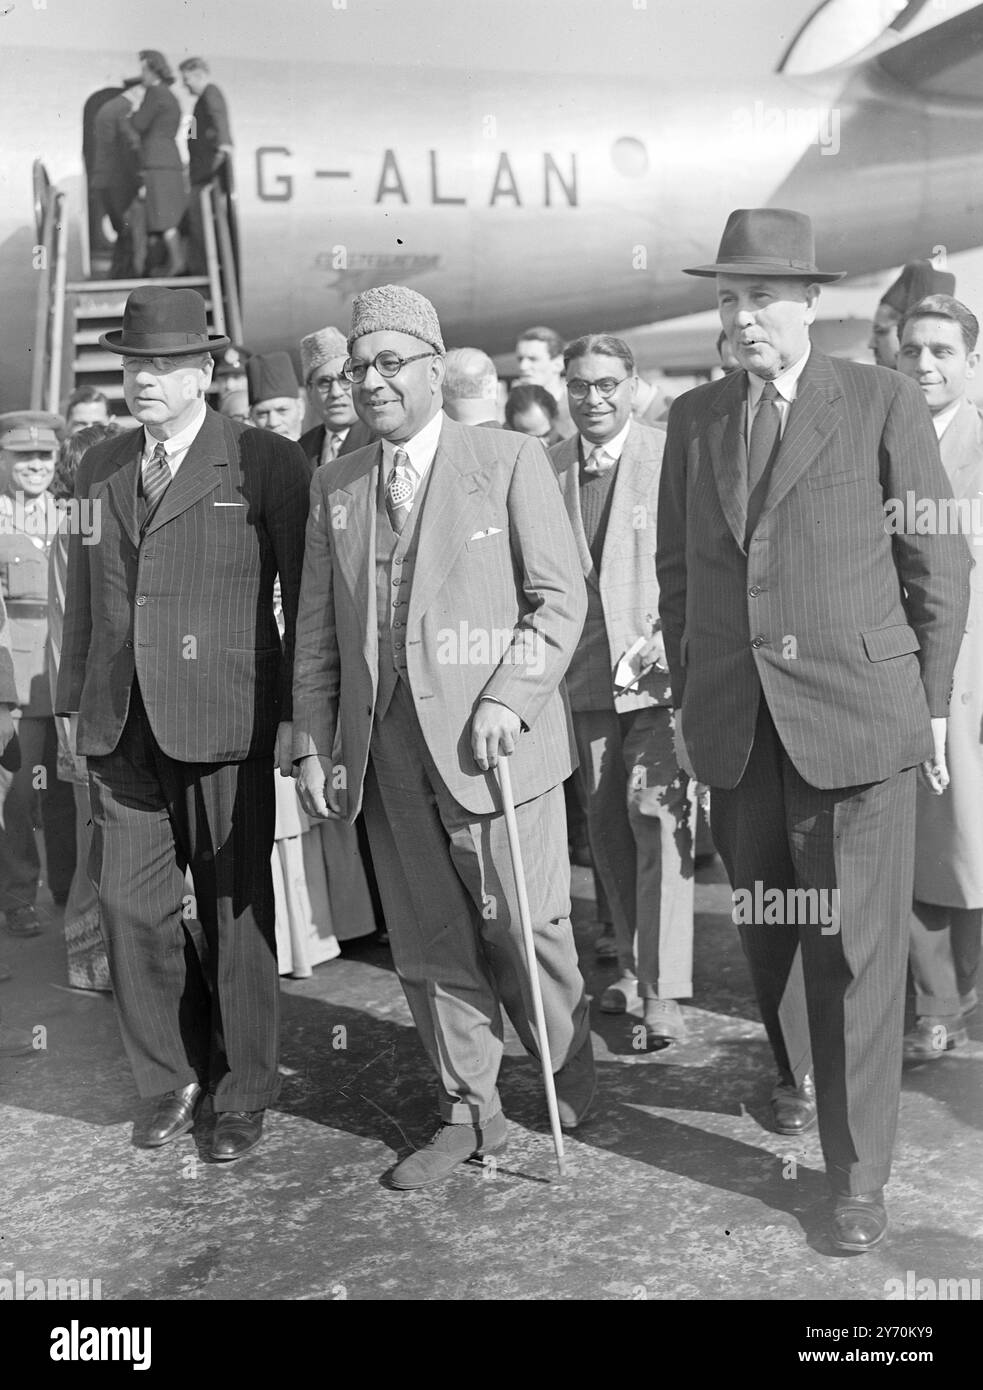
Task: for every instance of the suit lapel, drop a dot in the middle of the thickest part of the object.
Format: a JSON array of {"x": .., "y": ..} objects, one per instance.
[
  {"x": 635, "y": 481},
  {"x": 568, "y": 470},
  {"x": 354, "y": 545},
  {"x": 728, "y": 452},
  {"x": 960, "y": 449},
  {"x": 453, "y": 505},
  {"x": 196, "y": 477},
  {"x": 122, "y": 484},
  {"x": 812, "y": 419}
]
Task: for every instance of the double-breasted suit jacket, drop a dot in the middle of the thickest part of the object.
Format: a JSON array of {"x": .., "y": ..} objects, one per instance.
[
  {"x": 851, "y": 631},
  {"x": 627, "y": 582},
  {"x": 496, "y": 608},
  {"x": 190, "y": 610}
]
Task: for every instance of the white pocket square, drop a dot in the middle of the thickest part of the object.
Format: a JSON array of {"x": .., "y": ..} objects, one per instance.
[
  {"x": 480, "y": 535},
  {"x": 228, "y": 504}
]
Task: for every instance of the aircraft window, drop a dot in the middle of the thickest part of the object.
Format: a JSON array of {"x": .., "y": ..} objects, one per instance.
[{"x": 630, "y": 157}]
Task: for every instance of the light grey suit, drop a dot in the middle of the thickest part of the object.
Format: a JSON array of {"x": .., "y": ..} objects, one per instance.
[{"x": 493, "y": 553}]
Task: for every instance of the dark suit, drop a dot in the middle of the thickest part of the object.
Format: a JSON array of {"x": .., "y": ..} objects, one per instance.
[
  {"x": 357, "y": 437},
  {"x": 806, "y": 667},
  {"x": 172, "y": 659},
  {"x": 210, "y": 127},
  {"x": 157, "y": 122},
  {"x": 116, "y": 177}
]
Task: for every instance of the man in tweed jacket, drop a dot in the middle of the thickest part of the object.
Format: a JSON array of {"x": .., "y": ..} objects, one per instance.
[
  {"x": 441, "y": 602},
  {"x": 639, "y": 814}
]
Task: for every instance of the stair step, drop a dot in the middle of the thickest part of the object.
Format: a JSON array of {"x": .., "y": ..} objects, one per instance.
[
  {"x": 113, "y": 309},
  {"x": 181, "y": 282}
]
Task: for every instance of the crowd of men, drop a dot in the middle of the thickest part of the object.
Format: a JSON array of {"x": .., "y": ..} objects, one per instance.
[{"x": 718, "y": 604}]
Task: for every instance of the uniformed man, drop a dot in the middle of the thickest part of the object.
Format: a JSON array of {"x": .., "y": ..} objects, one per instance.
[{"x": 28, "y": 522}]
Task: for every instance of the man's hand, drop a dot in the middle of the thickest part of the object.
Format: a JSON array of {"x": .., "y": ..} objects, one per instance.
[
  {"x": 317, "y": 796},
  {"x": 935, "y": 770},
  {"x": 284, "y": 747},
  {"x": 653, "y": 653},
  {"x": 494, "y": 732},
  {"x": 7, "y": 727}
]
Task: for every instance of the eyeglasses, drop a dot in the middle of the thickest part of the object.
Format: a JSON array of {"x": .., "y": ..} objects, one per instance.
[
  {"x": 606, "y": 387},
  {"x": 387, "y": 364},
  {"x": 324, "y": 385}
]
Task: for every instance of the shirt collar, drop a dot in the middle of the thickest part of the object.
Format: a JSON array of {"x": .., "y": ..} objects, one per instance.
[
  {"x": 421, "y": 448},
  {"x": 945, "y": 418},
  {"x": 178, "y": 443},
  {"x": 786, "y": 384},
  {"x": 612, "y": 449}
]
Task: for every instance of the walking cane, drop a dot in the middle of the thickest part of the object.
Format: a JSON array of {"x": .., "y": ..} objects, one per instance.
[{"x": 525, "y": 920}]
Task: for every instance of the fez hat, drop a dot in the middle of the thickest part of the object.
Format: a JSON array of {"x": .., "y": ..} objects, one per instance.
[
  {"x": 29, "y": 431},
  {"x": 768, "y": 241},
  {"x": 271, "y": 375},
  {"x": 916, "y": 282},
  {"x": 159, "y": 322}
]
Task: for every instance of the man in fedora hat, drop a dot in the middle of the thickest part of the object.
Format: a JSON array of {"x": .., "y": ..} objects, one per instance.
[
  {"x": 276, "y": 401},
  {"x": 174, "y": 672},
  {"x": 441, "y": 603},
  {"x": 811, "y": 654},
  {"x": 322, "y": 365}
]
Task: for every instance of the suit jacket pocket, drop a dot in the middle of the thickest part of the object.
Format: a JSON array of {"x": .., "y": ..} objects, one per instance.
[
  {"x": 822, "y": 480},
  {"x": 884, "y": 642}
]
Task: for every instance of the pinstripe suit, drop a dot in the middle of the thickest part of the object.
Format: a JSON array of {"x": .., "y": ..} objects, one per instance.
[
  {"x": 494, "y": 554},
  {"x": 639, "y": 814},
  {"x": 806, "y": 667},
  {"x": 172, "y": 658}
]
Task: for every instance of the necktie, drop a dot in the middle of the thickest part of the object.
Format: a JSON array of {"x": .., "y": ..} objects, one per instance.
[
  {"x": 765, "y": 434},
  {"x": 400, "y": 490},
  {"x": 156, "y": 478},
  {"x": 334, "y": 444},
  {"x": 598, "y": 461}
]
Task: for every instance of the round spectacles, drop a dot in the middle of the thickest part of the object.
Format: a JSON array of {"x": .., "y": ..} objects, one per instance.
[
  {"x": 324, "y": 385},
  {"x": 606, "y": 387},
  {"x": 387, "y": 364}
]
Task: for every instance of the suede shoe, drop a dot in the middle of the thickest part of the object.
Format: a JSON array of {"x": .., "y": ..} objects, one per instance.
[
  {"x": 932, "y": 1037},
  {"x": 576, "y": 1083},
  {"x": 235, "y": 1133},
  {"x": 664, "y": 1023},
  {"x": 859, "y": 1221},
  {"x": 22, "y": 921},
  {"x": 173, "y": 1115},
  {"x": 450, "y": 1146},
  {"x": 794, "y": 1107},
  {"x": 621, "y": 996}
]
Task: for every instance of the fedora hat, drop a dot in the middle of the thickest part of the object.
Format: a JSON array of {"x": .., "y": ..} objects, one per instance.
[
  {"x": 158, "y": 322},
  {"x": 768, "y": 241}
]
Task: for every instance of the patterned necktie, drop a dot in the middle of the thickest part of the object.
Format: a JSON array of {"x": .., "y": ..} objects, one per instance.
[
  {"x": 156, "y": 478},
  {"x": 598, "y": 462},
  {"x": 334, "y": 444},
  {"x": 400, "y": 490}
]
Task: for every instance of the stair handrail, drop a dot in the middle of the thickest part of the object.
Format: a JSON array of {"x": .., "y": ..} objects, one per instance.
[
  {"x": 45, "y": 225},
  {"x": 226, "y": 262},
  {"x": 58, "y": 303}
]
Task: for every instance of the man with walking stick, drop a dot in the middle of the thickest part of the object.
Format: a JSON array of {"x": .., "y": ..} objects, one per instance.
[{"x": 441, "y": 603}]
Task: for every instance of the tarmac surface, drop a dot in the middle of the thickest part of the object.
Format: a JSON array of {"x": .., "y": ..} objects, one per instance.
[{"x": 677, "y": 1189}]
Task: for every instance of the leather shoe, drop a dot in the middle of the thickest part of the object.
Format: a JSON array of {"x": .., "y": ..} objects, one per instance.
[
  {"x": 606, "y": 945},
  {"x": 451, "y": 1145},
  {"x": 794, "y": 1107},
  {"x": 664, "y": 1023},
  {"x": 173, "y": 1115},
  {"x": 932, "y": 1037},
  {"x": 621, "y": 996},
  {"x": 235, "y": 1133},
  {"x": 22, "y": 921},
  {"x": 576, "y": 1083},
  {"x": 859, "y": 1221}
]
